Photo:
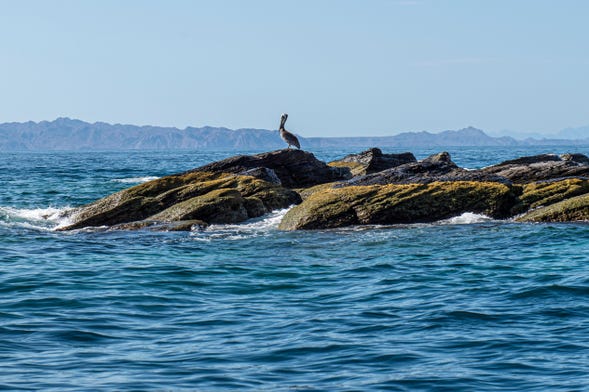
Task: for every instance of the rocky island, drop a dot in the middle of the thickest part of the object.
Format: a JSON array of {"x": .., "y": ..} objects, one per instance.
[{"x": 359, "y": 189}]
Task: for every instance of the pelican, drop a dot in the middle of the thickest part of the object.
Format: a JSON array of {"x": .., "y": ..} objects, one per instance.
[{"x": 287, "y": 136}]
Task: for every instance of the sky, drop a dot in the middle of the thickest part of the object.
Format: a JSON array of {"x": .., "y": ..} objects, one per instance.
[{"x": 338, "y": 68}]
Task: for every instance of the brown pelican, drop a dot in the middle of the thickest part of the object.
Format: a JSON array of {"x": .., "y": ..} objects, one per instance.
[{"x": 287, "y": 136}]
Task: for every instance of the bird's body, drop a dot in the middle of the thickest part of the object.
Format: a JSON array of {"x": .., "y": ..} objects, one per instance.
[{"x": 288, "y": 137}]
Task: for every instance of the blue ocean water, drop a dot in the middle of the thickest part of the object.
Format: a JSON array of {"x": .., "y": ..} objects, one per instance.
[{"x": 465, "y": 304}]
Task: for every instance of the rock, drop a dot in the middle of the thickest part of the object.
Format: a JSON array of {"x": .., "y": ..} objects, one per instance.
[
  {"x": 547, "y": 188},
  {"x": 294, "y": 168},
  {"x": 186, "y": 225},
  {"x": 399, "y": 203},
  {"x": 205, "y": 196},
  {"x": 437, "y": 167},
  {"x": 372, "y": 161},
  {"x": 569, "y": 210},
  {"x": 541, "y": 167},
  {"x": 578, "y": 158},
  {"x": 544, "y": 193},
  {"x": 263, "y": 173}
]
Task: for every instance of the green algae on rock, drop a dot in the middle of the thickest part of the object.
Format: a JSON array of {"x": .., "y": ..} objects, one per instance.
[
  {"x": 544, "y": 193},
  {"x": 574, "y": 209},
  {"x": 205, "y": 196},
  {"x": 398, "y": 203}
]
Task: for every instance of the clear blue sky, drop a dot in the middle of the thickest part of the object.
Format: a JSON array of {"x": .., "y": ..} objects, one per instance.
[{"x": 374, "y": 67}]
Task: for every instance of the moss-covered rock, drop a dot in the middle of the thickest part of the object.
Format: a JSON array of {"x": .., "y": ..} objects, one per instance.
[
  {"x": 544, "y": 193},
  {"x": 205, "y": 196},
  {"x": 398, "y": 203},
  {"x": 569, "y": 210}
]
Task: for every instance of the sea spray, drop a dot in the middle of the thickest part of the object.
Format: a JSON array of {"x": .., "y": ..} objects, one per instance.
[
  {"x": 466, "y": 218},
  {"x": 35, "y": 218},
  {"x": 134, "y": 180},
  {"x": 252, "y": 228}
]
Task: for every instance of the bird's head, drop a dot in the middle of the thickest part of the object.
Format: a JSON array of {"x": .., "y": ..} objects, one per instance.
[{"x": 283, "y": 119}]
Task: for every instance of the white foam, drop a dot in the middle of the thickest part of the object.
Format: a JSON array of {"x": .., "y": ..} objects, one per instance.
[
  {"x": 250, "y": 228},
  {"x": 38, "y": 218},
  {"x": 135, "y": 180},
  {"x": 466, "y": 218}
]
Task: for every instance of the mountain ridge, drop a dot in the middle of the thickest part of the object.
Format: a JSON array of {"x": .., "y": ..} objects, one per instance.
[{"x": 72, "y": 134}]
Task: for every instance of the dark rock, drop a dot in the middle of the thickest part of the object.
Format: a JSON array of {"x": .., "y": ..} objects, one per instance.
[
  {"x": 532, "y": 159},
  {"x": 437, "y": 167},
  {"x": 294, "y": 168},
  {"x": 372, "y": 161},
  {"x": 263, "y": 173},
  {"x": 578, "y": 158},
  {"x": 541, "y": 167},
  {"x": 152, "y": 225}
]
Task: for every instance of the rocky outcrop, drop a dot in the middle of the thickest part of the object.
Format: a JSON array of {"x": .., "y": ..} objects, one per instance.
[
  {"x": 535, "y": 189},
  {"x": 437, "y": 167},
  {"x": 294, "y": 168},
  {"x": 569, "y": 210},
  {"x": 404, "y": 203},
  {"x": 544, "y": 193},
  {"x": 542, "y": 167},
  {"x": 372, "y": 161},
  {"x": 436, "y": 188},
  {"x": 203, "y": 196}
]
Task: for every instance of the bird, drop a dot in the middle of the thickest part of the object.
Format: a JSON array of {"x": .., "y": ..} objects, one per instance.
[{"x": 287, "y": 136}]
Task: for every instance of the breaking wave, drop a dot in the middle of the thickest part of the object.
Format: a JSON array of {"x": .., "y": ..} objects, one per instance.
[
  {"x": 252, "y": 228},
  {"x": 466, "y": 218},
  {"x": 35, "y": 218},
  {"x": 134, "y": 180}
]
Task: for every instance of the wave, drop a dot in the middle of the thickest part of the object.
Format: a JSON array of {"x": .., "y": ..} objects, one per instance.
[
  {"x": 466, "y": 218},
  {"x": 35, "y": 218},
  {"x": 250, "y": 228},
  {"x": 134, "y": 180}
]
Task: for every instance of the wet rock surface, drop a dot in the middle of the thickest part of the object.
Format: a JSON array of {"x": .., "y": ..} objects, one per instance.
[
  {"x": 398, "y": 203},
  {"x": 396, "y": 189}
]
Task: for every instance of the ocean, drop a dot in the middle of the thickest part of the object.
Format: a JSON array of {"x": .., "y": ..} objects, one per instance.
[{"x": 465, "y": 304}]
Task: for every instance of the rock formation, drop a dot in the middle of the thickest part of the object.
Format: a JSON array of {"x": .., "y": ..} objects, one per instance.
[{"x": 385, "y": 189}]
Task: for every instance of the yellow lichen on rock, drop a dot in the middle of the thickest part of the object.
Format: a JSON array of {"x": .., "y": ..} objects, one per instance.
[
  {"x": 539, "y": 194},
  {"x": 570, "y": 210},
  {"x": 356, "y": 168},
  {"x": 398, "y": 203}
]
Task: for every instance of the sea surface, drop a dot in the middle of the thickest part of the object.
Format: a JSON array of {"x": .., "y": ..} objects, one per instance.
[{"x": 466, "y": 304}]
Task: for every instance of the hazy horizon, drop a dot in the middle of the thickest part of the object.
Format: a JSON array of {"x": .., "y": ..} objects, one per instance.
[
  {"x": 565, "y": 133},
  {"x": 339, "y": 68}
]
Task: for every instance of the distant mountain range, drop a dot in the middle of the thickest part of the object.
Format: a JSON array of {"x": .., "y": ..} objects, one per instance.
[{"x": 69, "y": 134}]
